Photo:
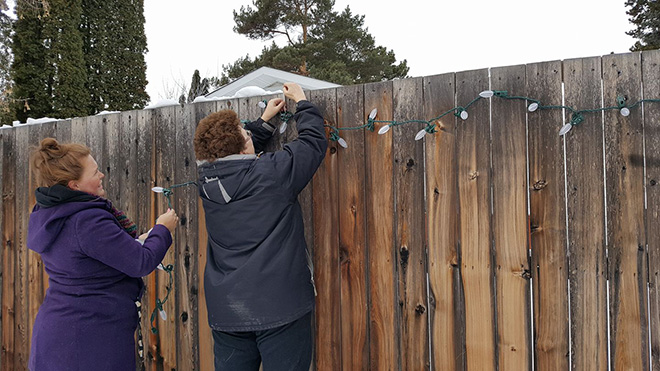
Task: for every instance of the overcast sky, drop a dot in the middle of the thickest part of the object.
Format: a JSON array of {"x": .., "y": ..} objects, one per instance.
[{"x": 433, "y": 37}]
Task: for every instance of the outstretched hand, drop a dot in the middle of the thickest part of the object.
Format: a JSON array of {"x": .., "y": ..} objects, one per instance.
[{"x": 274, "y": 106}]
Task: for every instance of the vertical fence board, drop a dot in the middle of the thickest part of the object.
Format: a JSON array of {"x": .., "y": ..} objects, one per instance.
[
  {"x": 79, "y": 130},
  {"x": 548, "y": 220},
  {"x": 63, "y": 131},
  {"x": 145, "y": 218},
  {"x": 127, "y": 165},
  {"x": 205, "y": 338},
  {"x": 9, "y": 252},
  {"x": 96, "y": 140},
  {"x": 186, "y": 243},
  {"x": 352, "y": 249},
  {"x": 510, "y": 223},
  {"x": 326, "y": 245},
  {"x": 446, "y": 310},
  {"x": 111, "y": 158},
  {"x": 651, "y": 79},
  {"x": 624, "y": 153},
  {"x": 22, "y": 333},
  {"x": 410, "y": 218},
  {"x": 35, "y": 285},
  {"x": 383, "y": 327},
  {"x": 585, "y": 198},
  {"x": 473, "y": 174},
  {"x": 165, "y": 137}
]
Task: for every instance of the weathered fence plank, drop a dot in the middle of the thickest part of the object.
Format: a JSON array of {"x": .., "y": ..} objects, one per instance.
[
  {"x": 446, "y": 308},
  {"x": 35, "y": 284},
  {"x": 326, "y": 246},
  {"x": 79, "y": 130},
  {"x": 127, "y": 165},
  {"x": 112, "y": 158},
  {"x": 145, "y": 215},
  {"x": 352, "y": 239},
  {"x": 9, "y": 252},
  {"x": 626, "y": 238},
  {"x": 205, "y": 338},
  {"x": 379, "y": 200},
  {"x": 586, "y": 219},
  {"x": 510, "y": 223},
  {"x": 187, "y": 282},
  {"x": 165, "y": 137},
  {"x": 548, "y": 220},
  {"x": 473, "y": 157},
  {"x": 651, "y": 80},
  {"x": 22, "y": 293},
  {"x": 410, "y": 228},
  {"x": 3, "y": 133}
]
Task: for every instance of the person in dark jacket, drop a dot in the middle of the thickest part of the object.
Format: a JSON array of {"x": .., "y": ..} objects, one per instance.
[
  {"x": 89, "y": 315},
  {"x": 258, "y": 277}
]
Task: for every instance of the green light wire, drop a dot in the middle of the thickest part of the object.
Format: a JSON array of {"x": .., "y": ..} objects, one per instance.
[{"x": 159, "y": 303}]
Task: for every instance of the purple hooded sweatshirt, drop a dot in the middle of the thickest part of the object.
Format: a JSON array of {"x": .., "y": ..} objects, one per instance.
[{"x": 88, "y": 318}]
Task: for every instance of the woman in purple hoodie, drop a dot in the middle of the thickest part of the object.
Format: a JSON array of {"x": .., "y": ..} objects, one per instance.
[{"x": 88, "y": 318}]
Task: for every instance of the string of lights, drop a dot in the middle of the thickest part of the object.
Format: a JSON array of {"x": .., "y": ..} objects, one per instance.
[{"x": 431, "y": 126}]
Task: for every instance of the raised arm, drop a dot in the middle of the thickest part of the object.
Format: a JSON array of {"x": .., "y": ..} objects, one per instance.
[{"x": 261, "y": 129}]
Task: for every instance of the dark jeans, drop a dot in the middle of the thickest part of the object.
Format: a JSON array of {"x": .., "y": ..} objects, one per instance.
[{"x": 284, "y": 348}]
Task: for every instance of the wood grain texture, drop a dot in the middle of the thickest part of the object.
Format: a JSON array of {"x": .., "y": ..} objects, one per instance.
[
  {"x": 352, "y": 235},
  {"x": 7, "y": 357},
  {"x": 165, "y": 136},
  {"x": 548, "y": 220},
  {"x": 626, "y": 237},
  {"x": 410, "y": 226},
  {"x": 510, "y": 224},
  {"x": 326, "y": 246},
  {"x": 474, "y": 179},
  {"x": 651, "y": 79},
  {"x": 447, "y": 326},
  {"x": 379, "y": 202},
  {"x": 186, "y": 247},
  {"x": 21, "y": 289},
  {"x": 204, "y": 331},
  {"x": 586, "y": 217}
]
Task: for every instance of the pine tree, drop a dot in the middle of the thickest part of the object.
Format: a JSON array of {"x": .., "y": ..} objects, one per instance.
[
  {"x": 115, "y": 44},
  {"x": 321, "y": 43},
  {"x": 65, "y": 55},
  {"x": 6, "y": 116},
  {"x": 32, "y": 76},
  {"x": 198, "y": 87},
  {"x": 645, "y": 15}
]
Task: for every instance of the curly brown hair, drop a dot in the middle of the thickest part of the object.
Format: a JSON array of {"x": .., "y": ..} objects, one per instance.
[{"x": 218, "y": 135}]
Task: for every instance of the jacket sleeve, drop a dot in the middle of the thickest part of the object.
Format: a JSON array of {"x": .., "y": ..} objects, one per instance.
[
  {"x": 304, "y": 154},
  {"x": 262, "y": 131},
  {"x": 101, "y": 238}
]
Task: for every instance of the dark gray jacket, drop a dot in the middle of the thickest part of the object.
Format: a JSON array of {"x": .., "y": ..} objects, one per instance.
[{"x": 257, "y": 270}]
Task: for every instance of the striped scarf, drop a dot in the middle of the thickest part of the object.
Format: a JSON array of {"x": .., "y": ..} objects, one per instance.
[{"x": 123, "y": 220}]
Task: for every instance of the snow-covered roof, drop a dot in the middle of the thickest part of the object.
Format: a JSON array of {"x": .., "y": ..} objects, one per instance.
[{"x": 269, "y": 79}]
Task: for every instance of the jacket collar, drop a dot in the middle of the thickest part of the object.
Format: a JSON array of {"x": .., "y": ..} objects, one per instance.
[{"x": 230, "y": 158}]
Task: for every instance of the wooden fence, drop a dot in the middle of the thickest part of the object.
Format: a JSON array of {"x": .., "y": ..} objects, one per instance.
[{"x": 494, "y": 244}]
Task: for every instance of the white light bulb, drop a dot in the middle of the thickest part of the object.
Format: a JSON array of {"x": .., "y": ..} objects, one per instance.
[
  {"x": 261, "y": 104},
  {"x": 486, "y": 94},
  {"x": 373, "y": 113},
  {"x": 384, "y": 129},
  {"x": 565, "y": 129},
  {"x": 160, "y": 266},
  {"x": 464, "y": 115},
  {"x": 342, "y": 142},
  {"x": 533, "y": 107},
  {"x": 162, "y": 314},
  {"x": 283, "y": 127},
  {"x": 625, "y": 112},
  {"x": 157, "y": 189},
  {"x": 420, "y": 134}
]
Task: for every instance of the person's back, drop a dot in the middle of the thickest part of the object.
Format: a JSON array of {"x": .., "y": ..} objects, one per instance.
[{"x": 258, "y": 275}]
